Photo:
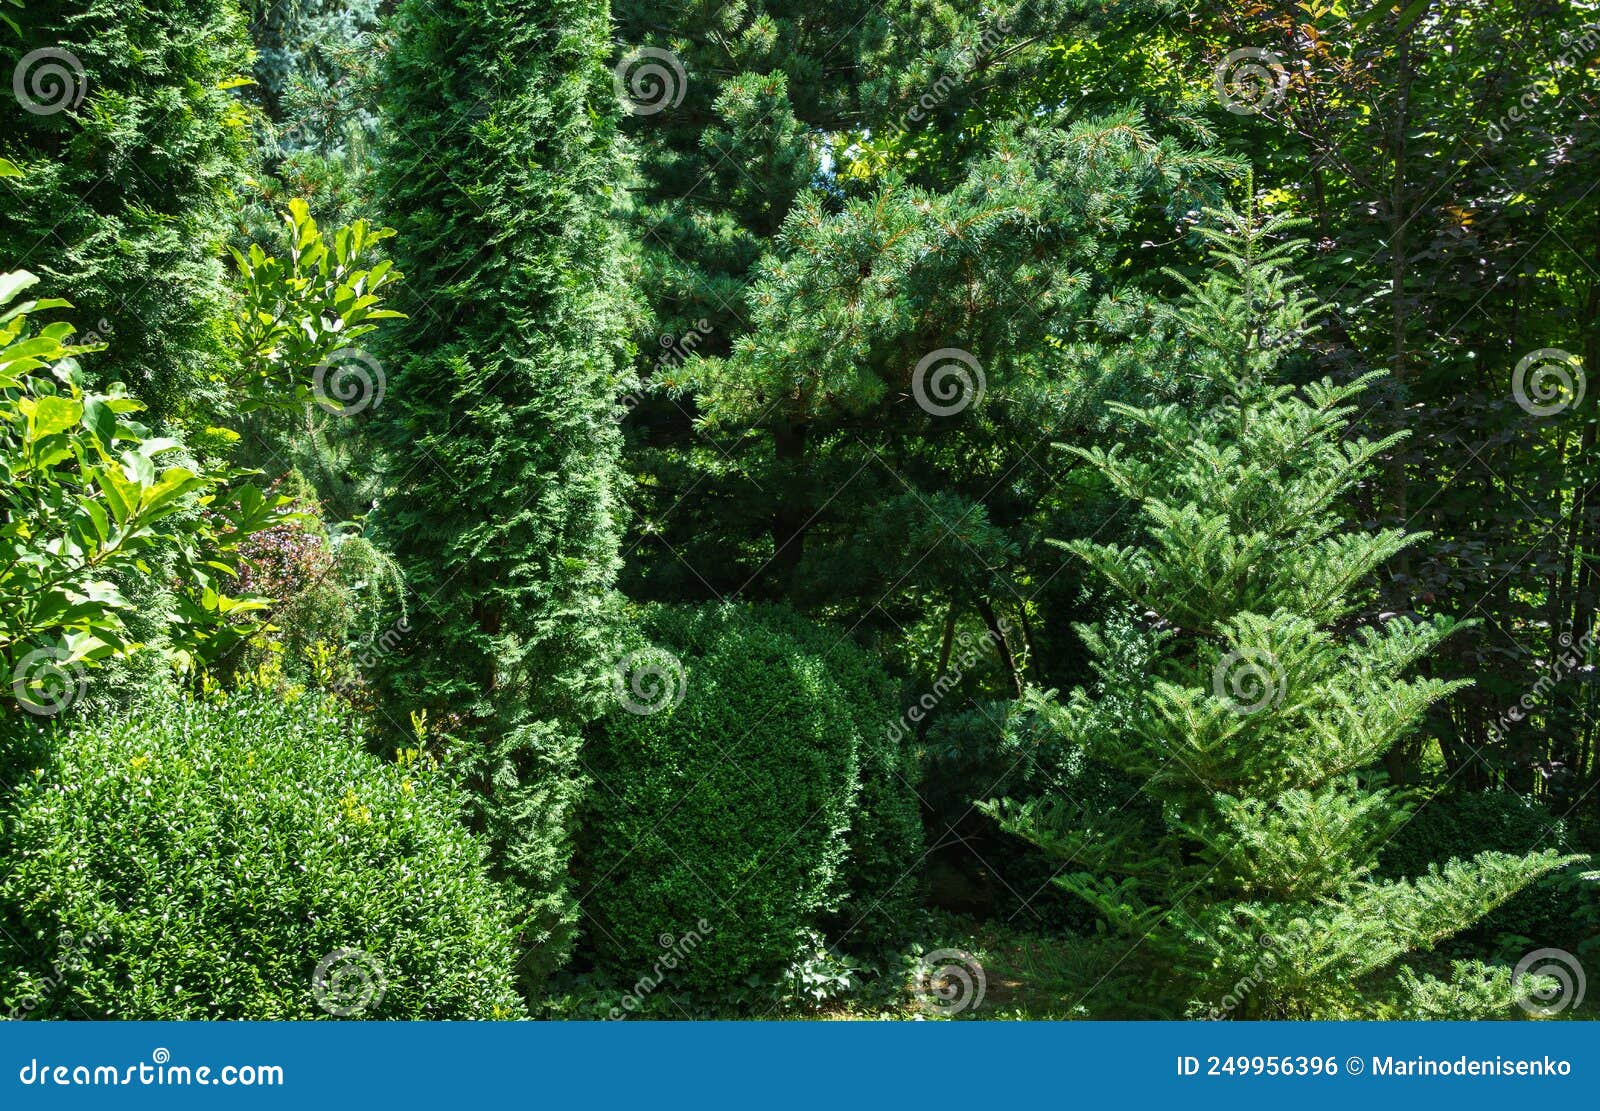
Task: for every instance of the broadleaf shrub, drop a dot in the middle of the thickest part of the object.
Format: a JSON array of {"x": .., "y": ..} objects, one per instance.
[
  {"x": 87, "y": 498},
  {"x": 742, "y": 804},
  {"x": 202, "y": 859}
]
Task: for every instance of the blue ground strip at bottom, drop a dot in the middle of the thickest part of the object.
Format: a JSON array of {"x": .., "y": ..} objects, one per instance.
[{"x": 799, "y": 1064}]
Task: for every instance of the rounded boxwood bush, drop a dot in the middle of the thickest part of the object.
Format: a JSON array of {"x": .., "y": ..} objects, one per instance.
[
  {"x": 241, "y": 857},
  {"x": 882, "y": 873},
  {"x": 729, "y": 802}
]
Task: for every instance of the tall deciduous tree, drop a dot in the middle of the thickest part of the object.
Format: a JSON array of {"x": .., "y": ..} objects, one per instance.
[
  {"x": 1257, "y": 715},
  {"x": 500, "y": 418},
  {"x": 131, "y": 143}
]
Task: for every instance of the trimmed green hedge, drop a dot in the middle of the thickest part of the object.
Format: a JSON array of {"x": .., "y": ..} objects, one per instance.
[
  {"x": 241, "y": 857},
  {"x": 759, "y": 804}
]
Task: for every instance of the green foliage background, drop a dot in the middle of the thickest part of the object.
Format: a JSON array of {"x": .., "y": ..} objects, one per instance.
[{"x": 644, "y": 297}]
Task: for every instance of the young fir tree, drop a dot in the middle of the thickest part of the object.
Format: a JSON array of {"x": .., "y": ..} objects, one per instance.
[
  {"x": 1254, "y": 715},
  {"x": 131, "y": 143},
  {"x": 500, "y": 417}
]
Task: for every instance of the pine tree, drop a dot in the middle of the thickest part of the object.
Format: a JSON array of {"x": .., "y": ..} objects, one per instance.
[
  {"x": 131, "y": 144},
  {"x": 311, "y": 58},
  {"x": 730, "y": 107},
  {"x": 1255, "y": 714},
  {"x": 500, "y": 418},
  {"x": 317, "y": 70}
]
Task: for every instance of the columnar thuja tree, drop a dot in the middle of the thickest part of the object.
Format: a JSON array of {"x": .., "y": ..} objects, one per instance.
[
  {"x": 500, "y": 415},
  {"x": 1255, "y": 715},
  {"x": 130, "y": 142}
]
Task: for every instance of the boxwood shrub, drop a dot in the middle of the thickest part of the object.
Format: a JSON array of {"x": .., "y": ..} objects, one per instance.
[
  {"x": 756, "y": 802},
  {"x": 883, "y": 879},
  {"x": 241, "y": 857}
]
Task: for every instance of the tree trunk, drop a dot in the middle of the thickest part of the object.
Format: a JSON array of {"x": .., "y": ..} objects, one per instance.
[
  {"x": 1001, "y": 646},
  {"x": 789, "y": 514}
]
